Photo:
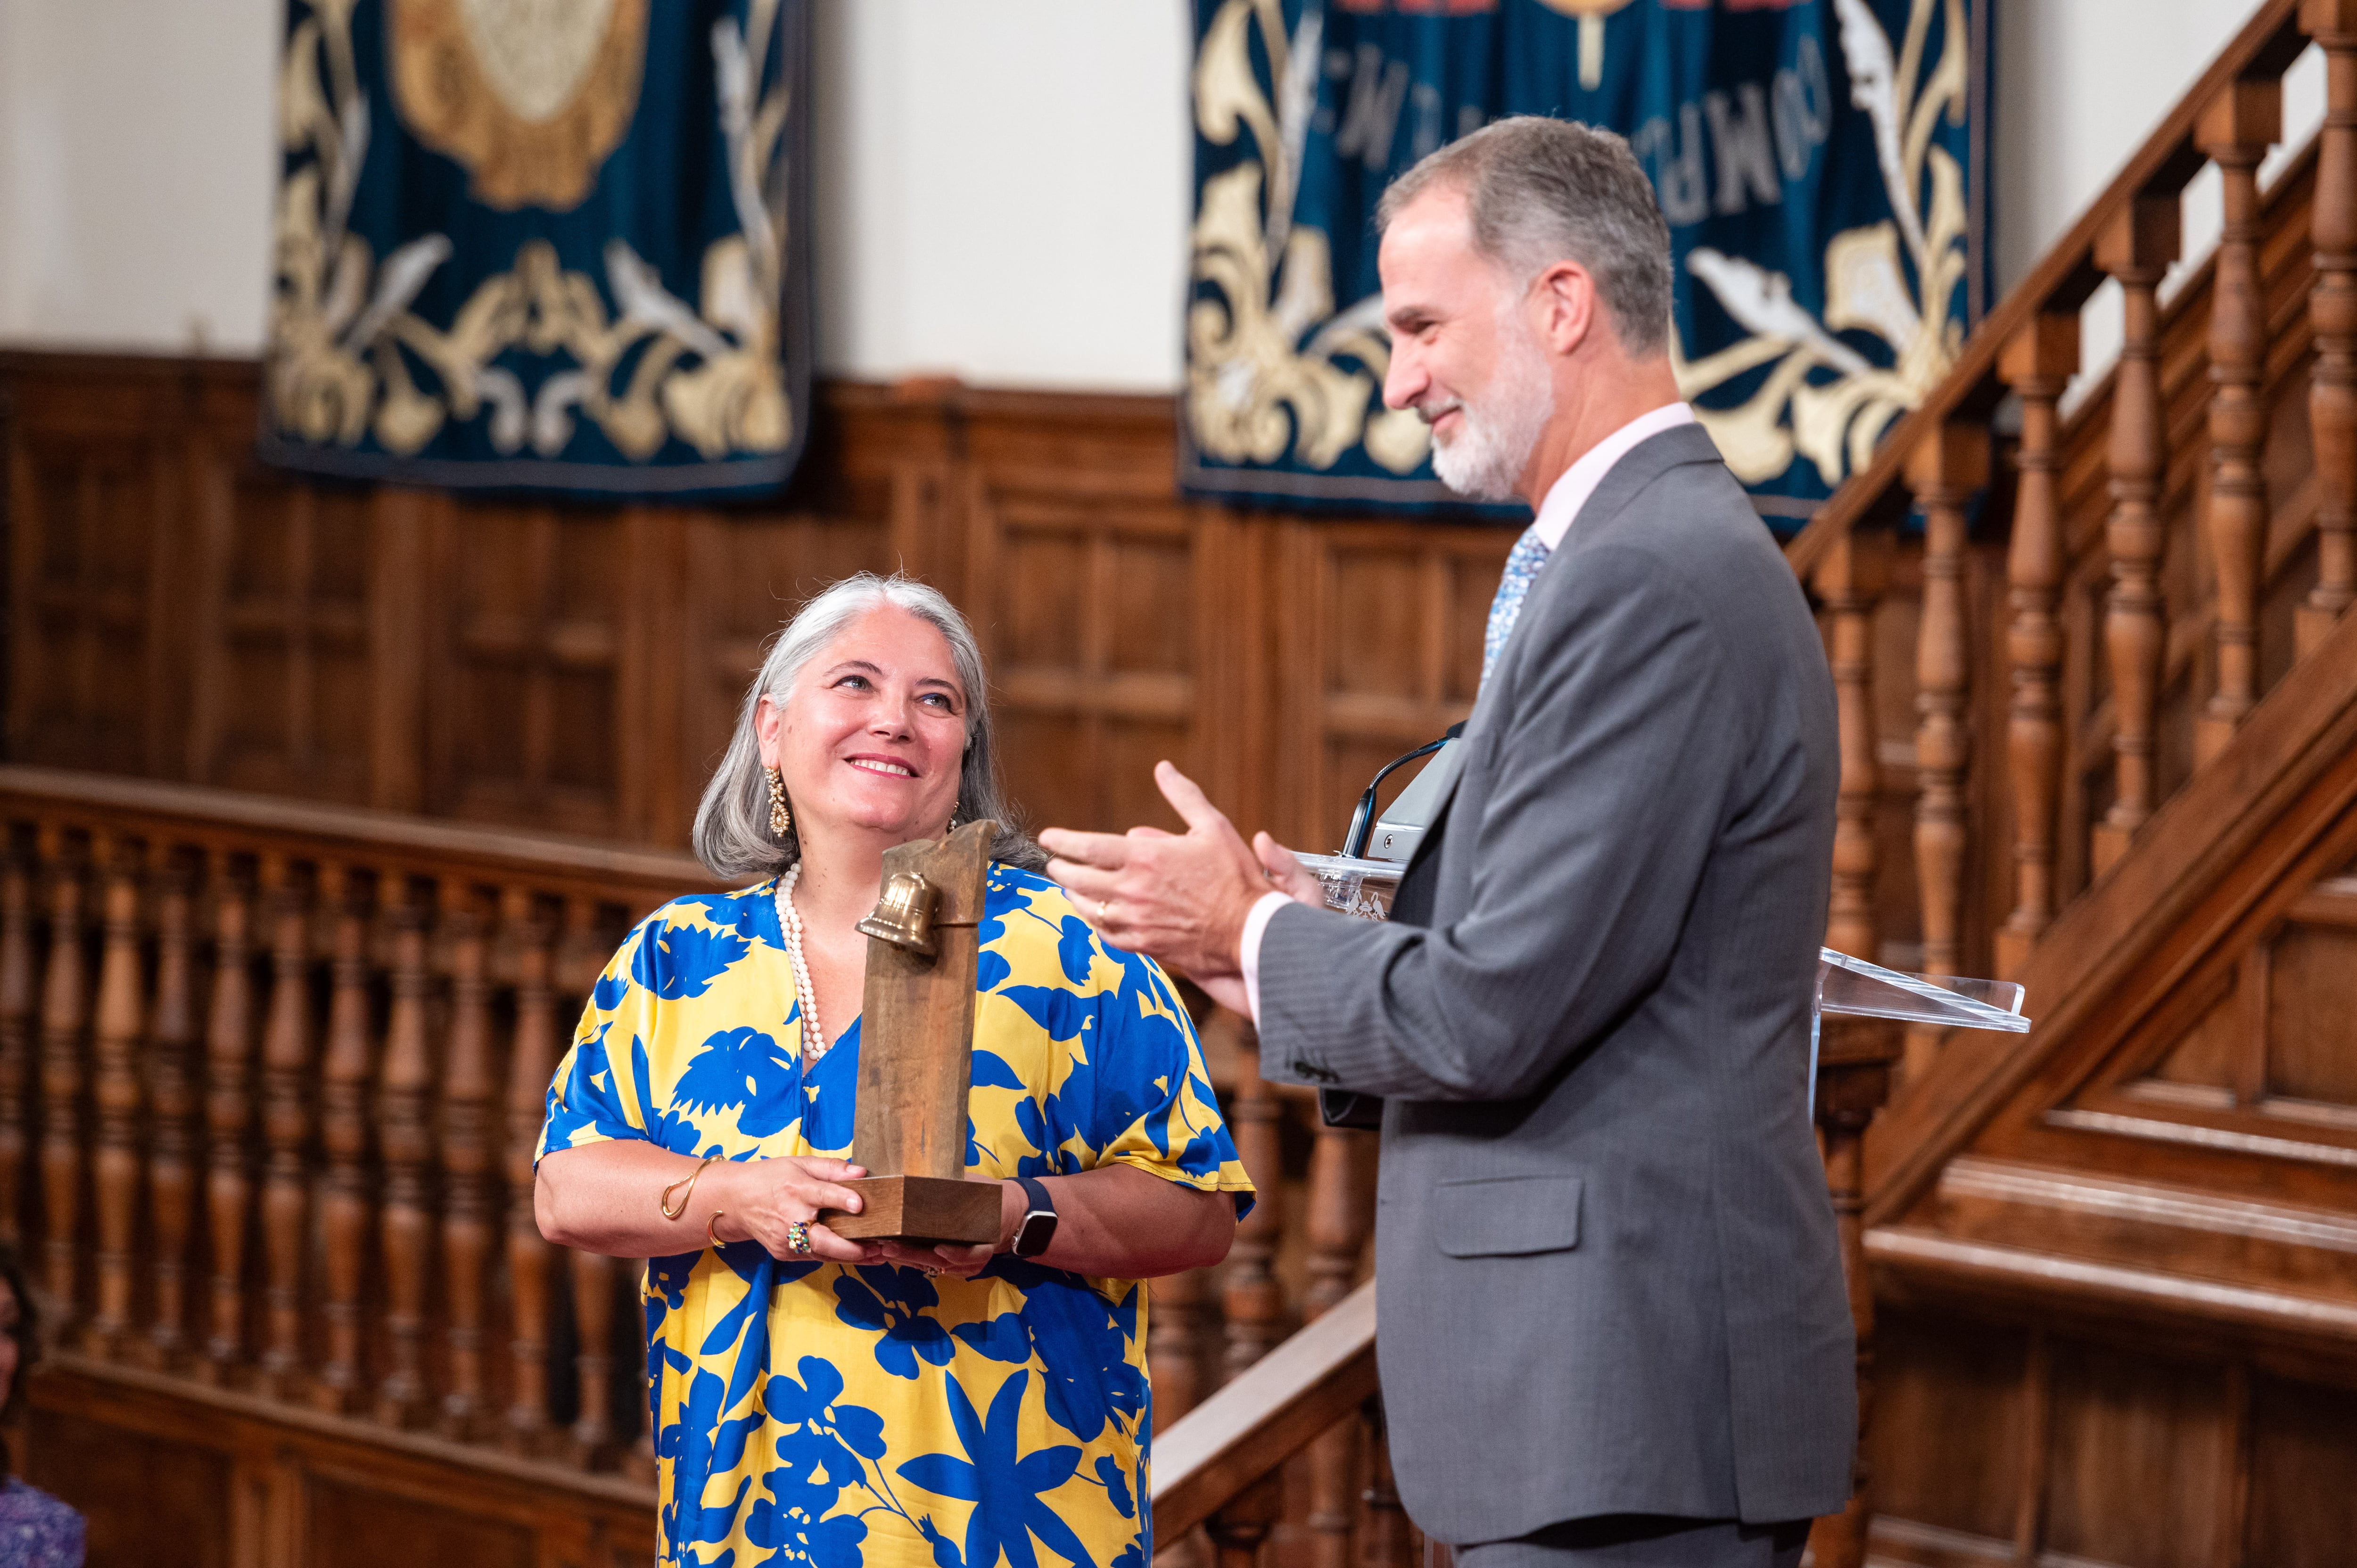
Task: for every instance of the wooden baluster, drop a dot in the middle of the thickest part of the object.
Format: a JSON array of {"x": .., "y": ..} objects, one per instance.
[
  {"x": 115, "y": 1096},
  {"x": 1944, "y": 472},
  {"x": 1852, "y": 1083},
  {"x": 285, "y": 1124},
  {"x": 593, "y": 1325},
  {"x": 172, "y": 1098},
  {"x": 16, "y": 993},
  {"x": 404, "y": 1133},
  {"x": 2237, "y": 132},
  {"x": 2038, "y": 364},
  {"x": 2332, "y": 317},
  {"x": 592, "y": 1277},
  {"x": 531, "y": 1065},
  {"x": 1385, "y": 1541},
  {"x": 345, "y": 1209},
  {"x": 1341, "y": 1212},
  {"x": 1241, "y": 1525},
  {"x": 1256, "y": 1309},
  {"x": 228, "y": 1113},
  {"x": 1173, "y": 1338},
  {"x": 2136, "y": 250},
  {"x": 1849, "y": 581},
  {"x": 64, "y": 1014},
  {"x": 468, "y": 1094}
]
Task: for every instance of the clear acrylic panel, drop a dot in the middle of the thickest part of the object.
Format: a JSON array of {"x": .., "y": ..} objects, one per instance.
[{"x": 1851, "y": 987}]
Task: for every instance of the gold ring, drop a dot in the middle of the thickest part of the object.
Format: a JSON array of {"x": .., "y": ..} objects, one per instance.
[{"x": 797, "y": 1238}]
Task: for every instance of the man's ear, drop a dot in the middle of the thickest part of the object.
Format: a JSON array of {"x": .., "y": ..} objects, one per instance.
[{"x": 1564, "y": 298}]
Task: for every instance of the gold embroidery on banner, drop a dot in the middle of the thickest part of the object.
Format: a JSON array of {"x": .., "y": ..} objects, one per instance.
[
  {"x": 340, "y": 323},
  {"x": 1253, "y": 387},
  {"x": 530, "y": 96},
  {"x": 1274, "y": 368},
  {"x": 1835, "y": 423}
]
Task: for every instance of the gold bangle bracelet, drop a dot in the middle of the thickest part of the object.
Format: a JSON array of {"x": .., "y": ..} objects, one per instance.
[
  {"x": 671, "y": 1211},
  {"x": 716, "y": 1243}
]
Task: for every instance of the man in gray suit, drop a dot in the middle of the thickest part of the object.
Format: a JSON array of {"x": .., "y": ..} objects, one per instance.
[{"x": 1613, "y": 1322}]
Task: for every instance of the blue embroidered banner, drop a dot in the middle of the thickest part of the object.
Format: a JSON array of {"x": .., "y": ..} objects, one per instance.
[
  {"x": 551, "y": 245},
  {"x": 1822, "y": 164}
]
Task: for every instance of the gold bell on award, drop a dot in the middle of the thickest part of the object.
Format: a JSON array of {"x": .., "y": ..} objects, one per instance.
[{"x": 903, "y": 916}]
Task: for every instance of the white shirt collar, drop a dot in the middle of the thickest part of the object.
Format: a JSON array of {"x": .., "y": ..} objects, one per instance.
[{"x": 1570, "y": 492}]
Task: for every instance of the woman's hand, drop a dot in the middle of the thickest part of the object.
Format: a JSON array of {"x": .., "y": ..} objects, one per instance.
[
  {"x": 1117, "y": 1222},
  {"x": 761, "y": 1200},
  {"x": 961, "y": 1260}
]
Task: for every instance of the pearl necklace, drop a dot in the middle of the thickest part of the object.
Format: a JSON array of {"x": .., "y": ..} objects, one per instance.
[{"x": 814, "y": 1035}]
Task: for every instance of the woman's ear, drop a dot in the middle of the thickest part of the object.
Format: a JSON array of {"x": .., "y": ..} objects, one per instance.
[{"x": 769, "y": 729}]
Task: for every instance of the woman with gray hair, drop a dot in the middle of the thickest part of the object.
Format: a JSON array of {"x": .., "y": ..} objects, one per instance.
[{"x": 817, "y": 1399}]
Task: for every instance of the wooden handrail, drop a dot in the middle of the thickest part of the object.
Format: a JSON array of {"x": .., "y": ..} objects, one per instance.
[
  {"x": 593, "y": 867},
  {"x": 1302, "y": 1388},
  {"x": 2062, "y": 282}
]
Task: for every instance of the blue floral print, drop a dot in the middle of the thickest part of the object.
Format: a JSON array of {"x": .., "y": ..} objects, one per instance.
[{"x": 817, "y": 1416}]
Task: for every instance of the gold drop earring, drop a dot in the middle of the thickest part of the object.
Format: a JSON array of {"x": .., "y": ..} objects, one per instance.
[{"x": 781, "y": 819}]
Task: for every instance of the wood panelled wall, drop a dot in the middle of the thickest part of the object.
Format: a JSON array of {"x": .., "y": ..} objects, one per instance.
[{"x": 180, "y": 612}]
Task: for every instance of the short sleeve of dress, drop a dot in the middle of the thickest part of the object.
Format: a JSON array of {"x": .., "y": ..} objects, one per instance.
[
  {"x": 596, "y": 1096},
  {"x": 1150, "y": 1102}
]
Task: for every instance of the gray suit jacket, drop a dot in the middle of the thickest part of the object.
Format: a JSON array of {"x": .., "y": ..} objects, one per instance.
[{"x": 1608, "y": 1275}]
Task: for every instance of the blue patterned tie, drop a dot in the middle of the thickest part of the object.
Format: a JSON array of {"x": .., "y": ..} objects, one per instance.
[{"x": 1522, "y": 563}]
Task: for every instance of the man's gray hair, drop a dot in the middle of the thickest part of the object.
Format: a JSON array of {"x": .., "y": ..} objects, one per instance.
[
  {"x": 732, "y": 833},
  {"x": 1543, "y": 191}
]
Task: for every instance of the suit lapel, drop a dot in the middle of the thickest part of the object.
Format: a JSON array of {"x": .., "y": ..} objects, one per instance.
[{"x": 1645, "y": 462}]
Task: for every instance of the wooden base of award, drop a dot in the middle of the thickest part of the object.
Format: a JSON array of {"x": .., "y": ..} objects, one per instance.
[
  {"x": 916, "y": 1052},
  {"x": 926, "y": 1211}
]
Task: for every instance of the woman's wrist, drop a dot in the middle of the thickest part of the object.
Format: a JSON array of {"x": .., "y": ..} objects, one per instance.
[
  {"x": 1012, "y": 1206},
  {"x": 721, "y": 1187}
]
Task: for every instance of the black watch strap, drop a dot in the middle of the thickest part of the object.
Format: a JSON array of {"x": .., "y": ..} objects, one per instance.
[{"x": 1037, "y": 1226}]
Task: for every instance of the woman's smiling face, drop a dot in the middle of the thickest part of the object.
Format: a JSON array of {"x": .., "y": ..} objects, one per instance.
[{"x": 872, "y": 736}]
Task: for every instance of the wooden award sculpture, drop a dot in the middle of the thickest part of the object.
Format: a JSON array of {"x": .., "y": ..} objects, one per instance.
[{"x": 916, "y": 1050}]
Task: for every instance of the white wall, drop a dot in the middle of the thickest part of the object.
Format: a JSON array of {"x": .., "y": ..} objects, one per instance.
[
  {"x": 136, "y": 156},
  {"x": 1001, "y": 190}
]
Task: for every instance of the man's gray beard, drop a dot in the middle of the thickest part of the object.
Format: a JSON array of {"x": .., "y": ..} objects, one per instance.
[{"x": 1494, "y": 437}]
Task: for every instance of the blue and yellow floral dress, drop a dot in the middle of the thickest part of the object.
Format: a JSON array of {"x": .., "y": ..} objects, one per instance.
[{"x": 824, "y": 1416}]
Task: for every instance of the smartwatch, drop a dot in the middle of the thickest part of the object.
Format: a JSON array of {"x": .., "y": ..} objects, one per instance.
[{"x": 1037, "y": 1226}]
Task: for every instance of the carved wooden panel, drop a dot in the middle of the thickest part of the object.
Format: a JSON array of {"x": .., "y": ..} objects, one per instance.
[
  {"x": 527, "y": 721},
  {"x": 2000, "y": 1442},
  {"x": 2137, "y": 1458},
  {"x": 1093, "y": 608},
  {"x": 746, "y": 574},
  {"x": 351, "y": 1525},
  {"x": 2258, "y": 1040},
  {"x": 224, "y": 1480},
  {"x": 2311, "y": 1030},
  {"x": 2303, "y": 1511},
  {"x": 180, "y": 1519},
  {"x": 1964, "y": 1383},
  {"x": 95, "y": 550},
  {"x": 283, "y": 635},
  {"x": 1379, "y": 629}
]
